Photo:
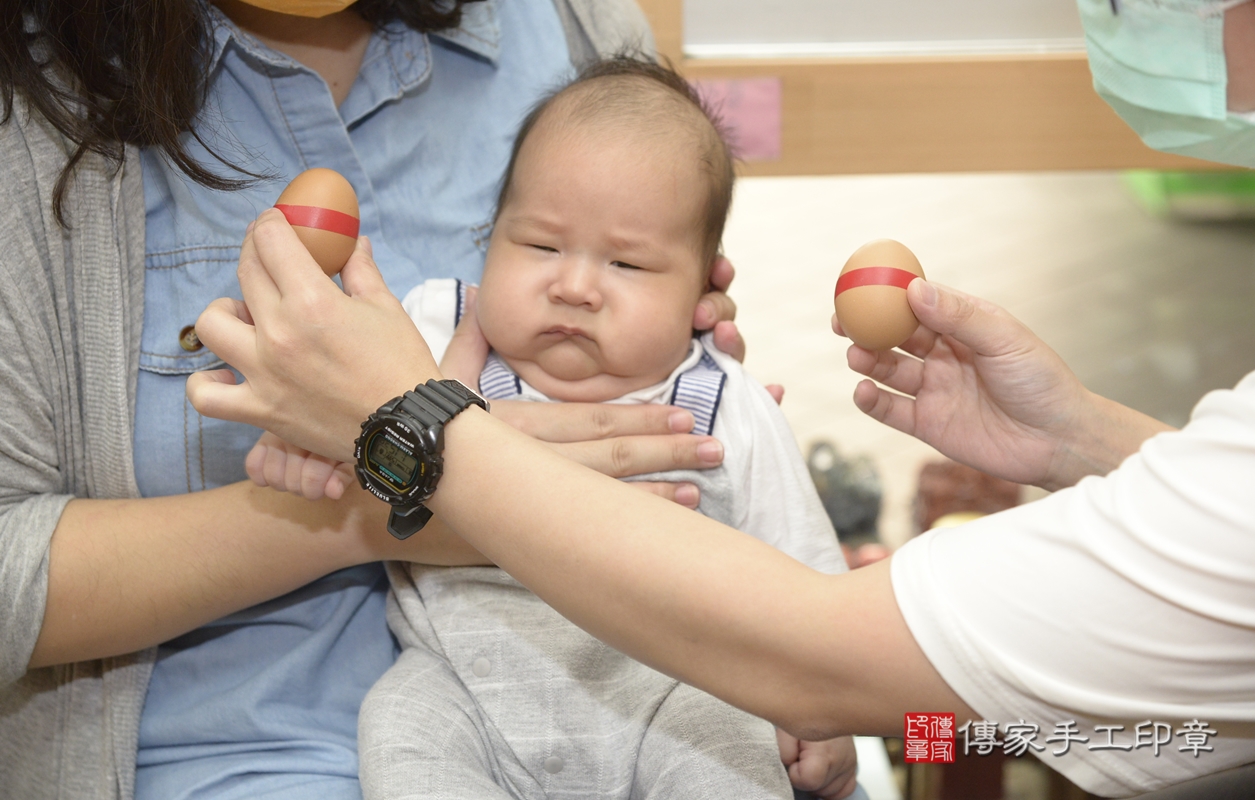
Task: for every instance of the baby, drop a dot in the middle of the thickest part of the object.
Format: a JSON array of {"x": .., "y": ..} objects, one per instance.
[{"x": 608, "y": 223}]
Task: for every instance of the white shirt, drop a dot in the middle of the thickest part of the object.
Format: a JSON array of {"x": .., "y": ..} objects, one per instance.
[{"x": 1124, "y": 599}]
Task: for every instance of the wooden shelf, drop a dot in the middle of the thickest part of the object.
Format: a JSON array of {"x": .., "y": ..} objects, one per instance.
[{"x": 929, "y": 114}]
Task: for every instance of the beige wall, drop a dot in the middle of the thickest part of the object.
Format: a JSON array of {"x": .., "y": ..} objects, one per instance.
[{"x": 929, "y": 113}]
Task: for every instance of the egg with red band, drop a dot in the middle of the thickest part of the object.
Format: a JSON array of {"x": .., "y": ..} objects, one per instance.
[
  {"x": 871, "y": 295},
  {"x": 321, "y": 206}
]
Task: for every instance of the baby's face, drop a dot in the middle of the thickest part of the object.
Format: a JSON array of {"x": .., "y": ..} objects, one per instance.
[{"x": 594, "y": 266}]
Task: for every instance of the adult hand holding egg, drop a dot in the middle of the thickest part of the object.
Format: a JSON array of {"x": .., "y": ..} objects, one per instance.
[
  {"x": 976, "y": 384},
  {"x": 301, "y": 329},
  {"x": 320, "y": 208}
]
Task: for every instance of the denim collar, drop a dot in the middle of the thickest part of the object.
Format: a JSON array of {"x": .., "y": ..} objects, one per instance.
[
  {"x": 479, "y": 32},
  {"x": 397, "y": 60}
]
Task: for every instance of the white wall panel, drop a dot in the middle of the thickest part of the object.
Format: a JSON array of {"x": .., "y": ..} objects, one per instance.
[{"x": 723, "y": 28}]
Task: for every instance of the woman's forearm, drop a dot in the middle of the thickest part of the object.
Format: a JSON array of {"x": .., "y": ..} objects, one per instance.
[
  {"x": 817, "y": 655},
  {"x": 128, "y": 574}
]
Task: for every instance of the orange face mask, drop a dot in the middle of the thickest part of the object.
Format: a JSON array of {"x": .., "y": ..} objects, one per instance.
[{"x": 302, "y": 8}]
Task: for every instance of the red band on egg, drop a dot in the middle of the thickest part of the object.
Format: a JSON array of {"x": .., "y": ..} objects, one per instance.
[
  {"x": 324, "y": 219},
  {"x": 875, "y": 276}
]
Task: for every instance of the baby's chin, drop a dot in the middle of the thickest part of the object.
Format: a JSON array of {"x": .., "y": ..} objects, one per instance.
[
  {"x": 568, "y": 362},
  {"x": 575, "y": 377}
]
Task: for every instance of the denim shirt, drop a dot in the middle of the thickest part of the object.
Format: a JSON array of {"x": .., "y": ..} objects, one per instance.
[{"x": 264, "y": 702}]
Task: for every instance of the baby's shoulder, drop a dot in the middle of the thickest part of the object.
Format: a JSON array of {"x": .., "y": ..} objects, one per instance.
[
  {"x": 436, "y": 305},
  {"x": 744, "y": 401}
]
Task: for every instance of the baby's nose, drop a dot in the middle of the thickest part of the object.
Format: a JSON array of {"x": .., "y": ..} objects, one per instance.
[{"x": 577, "y": 284}]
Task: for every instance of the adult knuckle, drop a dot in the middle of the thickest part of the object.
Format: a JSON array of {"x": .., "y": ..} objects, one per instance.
[
  {"x": 200, "y": 399},
  {"x": 683, "y": 450},
  {"x": 967, "y": 307},
  {"x": 885, "y": 367},
  {"x": 268, "y": 226},
  {"x": 622, "y": 457},
  {"x": 602, "y": 421},
  {"x": 284, "y": 343},
  {"x": 315, "y": 305},
  {"x": 884, "y": 404}
]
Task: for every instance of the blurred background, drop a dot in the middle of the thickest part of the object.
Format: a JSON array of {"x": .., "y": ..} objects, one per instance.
[
  {"x": 969, "y": 131},
  {"x": 1149, "y": 309}
]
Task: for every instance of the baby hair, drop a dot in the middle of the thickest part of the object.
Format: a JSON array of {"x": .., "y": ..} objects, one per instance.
[{"x": 641, "y": 96}]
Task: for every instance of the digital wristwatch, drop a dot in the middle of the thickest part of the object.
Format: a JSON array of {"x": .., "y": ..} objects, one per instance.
[{"x": 399, "y": 452}]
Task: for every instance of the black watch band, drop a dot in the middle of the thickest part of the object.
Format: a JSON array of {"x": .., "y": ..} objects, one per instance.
[
  {"x": 437, "y": 402},
  {"x": 406, "y": 435}
]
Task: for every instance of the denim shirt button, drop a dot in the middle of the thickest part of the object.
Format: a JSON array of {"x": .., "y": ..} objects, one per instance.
[{"x": 188, "y": 339}]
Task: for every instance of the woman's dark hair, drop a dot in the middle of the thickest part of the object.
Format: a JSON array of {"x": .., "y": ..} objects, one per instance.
[
  {"x": 108, "y": 73},
  {"x": 629, "y": 89}
]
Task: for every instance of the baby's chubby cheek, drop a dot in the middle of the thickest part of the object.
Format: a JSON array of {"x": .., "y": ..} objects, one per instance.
[
  {"x": 651, "y": 351},
  {"x": 496, "y": 317}
]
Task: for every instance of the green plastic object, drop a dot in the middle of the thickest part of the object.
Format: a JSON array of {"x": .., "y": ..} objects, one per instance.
[{"x": 1222, "y": 195}]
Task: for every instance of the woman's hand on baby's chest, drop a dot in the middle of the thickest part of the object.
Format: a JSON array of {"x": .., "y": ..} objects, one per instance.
[{"x": 620, "y": 440}]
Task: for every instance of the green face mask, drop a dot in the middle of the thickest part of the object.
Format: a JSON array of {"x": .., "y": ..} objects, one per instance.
[{"x": 1160, "y": 64}]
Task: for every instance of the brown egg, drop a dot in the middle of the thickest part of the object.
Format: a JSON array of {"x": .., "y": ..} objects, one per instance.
[
  {"x": 322, "y": 208},
  {"x": 871, "y": 295}
]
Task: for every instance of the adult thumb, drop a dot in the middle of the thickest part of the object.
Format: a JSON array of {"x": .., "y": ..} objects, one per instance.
[
  {"x": 360, "y": 275},
  {"x": 976, "y": 323}
]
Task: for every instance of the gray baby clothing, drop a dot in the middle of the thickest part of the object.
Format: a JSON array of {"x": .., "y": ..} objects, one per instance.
[{"x": 497, "y": 695}]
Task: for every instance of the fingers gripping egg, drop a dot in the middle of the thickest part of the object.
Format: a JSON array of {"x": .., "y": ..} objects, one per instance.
[
  {"x": 321, "y": 206},
  {"x": 871, "y": 295}
]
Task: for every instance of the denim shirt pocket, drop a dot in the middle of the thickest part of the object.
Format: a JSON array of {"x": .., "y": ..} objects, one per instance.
[
  {"x": 176, "y": 449},
  {"x": 177, "y": 286}
]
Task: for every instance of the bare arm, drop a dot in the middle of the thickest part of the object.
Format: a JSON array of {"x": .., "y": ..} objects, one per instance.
[
  {"x": 687, "y": 595},
  {"x": 129, "y": 574}
]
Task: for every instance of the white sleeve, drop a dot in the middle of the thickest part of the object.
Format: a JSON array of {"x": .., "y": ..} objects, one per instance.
[
  {"x": 1123, "y": 599},
  {"x": 433, "y": 305},
  {"x": 774, "y": 497}
]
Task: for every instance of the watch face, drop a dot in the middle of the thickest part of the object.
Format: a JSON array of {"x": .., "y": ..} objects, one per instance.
[
  {"x": 391, "y": 461},
  {"x": 398, "y": 454}
]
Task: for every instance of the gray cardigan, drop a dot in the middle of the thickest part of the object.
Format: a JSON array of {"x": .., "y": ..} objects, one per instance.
[{"x": 71, "y": 311}]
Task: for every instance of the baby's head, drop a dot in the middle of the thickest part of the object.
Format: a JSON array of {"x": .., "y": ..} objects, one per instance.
[{"x": 607, "y": 226}]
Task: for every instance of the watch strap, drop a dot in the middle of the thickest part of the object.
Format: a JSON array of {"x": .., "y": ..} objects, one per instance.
[
  {"x": 405, "y": 522},
  {"x": 437, "y": 402}
]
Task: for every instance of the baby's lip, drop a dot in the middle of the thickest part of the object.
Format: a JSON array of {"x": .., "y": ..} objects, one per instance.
[{"x": 567, "y": 330}]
